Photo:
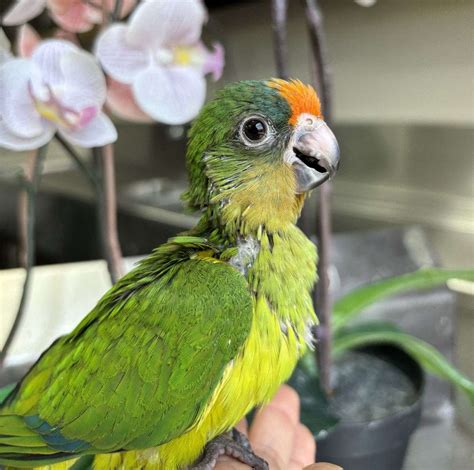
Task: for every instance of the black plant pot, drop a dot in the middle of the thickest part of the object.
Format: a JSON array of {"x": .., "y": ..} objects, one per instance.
[{"x": 368, "y": 444}]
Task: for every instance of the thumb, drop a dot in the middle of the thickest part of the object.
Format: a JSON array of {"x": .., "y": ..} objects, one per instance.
[{"x": 323, "y": 466}]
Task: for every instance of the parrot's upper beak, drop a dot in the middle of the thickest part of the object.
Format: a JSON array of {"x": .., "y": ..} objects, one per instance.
[{"x": 313, "y": 153}]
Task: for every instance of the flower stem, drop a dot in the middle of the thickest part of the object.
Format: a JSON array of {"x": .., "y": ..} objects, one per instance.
[
  {"x": 23, "y": 210},
  {"x": 88, "y": 172},
  {"x": 107, "y": 210},
  {"x": 117, "y": 10},
  {"x": 280, "y": 43},
  {"x": 103, "y": 184},
  {"x": 30, "y": 182},
  {"x": 321, "y": 67},
  {"x": 323, "y": 228}
]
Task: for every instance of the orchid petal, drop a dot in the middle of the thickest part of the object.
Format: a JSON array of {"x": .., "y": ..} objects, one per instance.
[
  {"x": 16, "y": 106},
  {"x": 100, "y": 131},
  {"x": 27, "y": 40},
  {"x": 214, "y": 61},
  {"x": 23, "y": 11},
  {"x": 120, "y": 60},
  {"x": 121, "y": 102},
  {"x": 48, "y": 58},
  {"x": 61, "y": 6},
  {"x": 84, "y": 81},
  {"x": 78, "y": 16},
  {"x": 171, "y": 95},
  {"x": 162, "y": 22},
  {"x": 11, "y": 141},
  {"x": 74, "y": 19}
]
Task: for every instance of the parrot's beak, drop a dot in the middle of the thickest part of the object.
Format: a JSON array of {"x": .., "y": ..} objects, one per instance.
[{"x": 313, "y": 153}]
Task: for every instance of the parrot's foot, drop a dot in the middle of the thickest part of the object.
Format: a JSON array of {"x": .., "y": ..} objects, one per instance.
[{"x": 234, "y": 444}]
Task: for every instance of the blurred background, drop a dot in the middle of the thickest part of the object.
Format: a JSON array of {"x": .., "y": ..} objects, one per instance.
[
  {"x": 403, "y": 114},
  {"x": 403, "y": 110}
]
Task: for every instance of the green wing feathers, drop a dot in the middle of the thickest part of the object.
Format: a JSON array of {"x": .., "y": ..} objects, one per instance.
[{"x": 140, "y": 368}]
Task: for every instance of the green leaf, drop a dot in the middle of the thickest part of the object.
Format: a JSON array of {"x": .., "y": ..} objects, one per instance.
[
  {"x": 426, "y": 355},
  {"x": 5, "y": 391},
  {"x": 349, "y": 306},
  {"x": 314, "y": 404}
]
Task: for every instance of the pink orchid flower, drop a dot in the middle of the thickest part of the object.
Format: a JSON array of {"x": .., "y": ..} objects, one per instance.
[
  {"x": 159, "y": 57},
  {"x": 72, "y": 15},
  {"x": 59, "y": 89},
  {"x": 27, "y": 40},
  {"x": 121, "y": 102}
]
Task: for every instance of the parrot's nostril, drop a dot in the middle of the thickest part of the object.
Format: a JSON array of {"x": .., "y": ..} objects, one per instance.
[{"x": 310, "y": 161}]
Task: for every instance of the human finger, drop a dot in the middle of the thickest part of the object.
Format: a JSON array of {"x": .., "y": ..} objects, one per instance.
[
  {"x": 243, "y": 426},
  {"x": 321, "y": 466},
  {"x": 229, "y": 463},
  {"x": 304, "y": 448},
  {"x": 273, "y": 429}
]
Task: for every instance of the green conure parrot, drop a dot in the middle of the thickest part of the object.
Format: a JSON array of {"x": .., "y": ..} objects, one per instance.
[{"x": 206, "y": 327}]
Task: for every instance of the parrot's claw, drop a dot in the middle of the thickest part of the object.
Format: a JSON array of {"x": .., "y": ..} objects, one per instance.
[
  {"x": 234, "y": 444},
  {"x": 241, "y": 439}
]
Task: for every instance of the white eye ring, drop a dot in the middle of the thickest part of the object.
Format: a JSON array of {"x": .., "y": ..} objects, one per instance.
[{"x": 255, "y": 130}]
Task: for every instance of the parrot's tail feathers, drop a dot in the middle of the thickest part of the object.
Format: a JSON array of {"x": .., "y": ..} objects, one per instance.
[
  {"x": 21, "y": 446},
  {"x": 31, "y": 461},
  {"x": 16, "y": 436},
  {"x": 14, "y": 426}
]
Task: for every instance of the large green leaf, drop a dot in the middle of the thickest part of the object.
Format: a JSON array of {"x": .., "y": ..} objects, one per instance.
[
  {"x": 349, "y": 306},
  {"x": 425, "y": 354},
  {"x": 4, "y": 391},
  {"x": 314, "y": 408}
]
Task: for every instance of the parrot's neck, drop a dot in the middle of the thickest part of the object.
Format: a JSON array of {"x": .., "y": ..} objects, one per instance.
[
  {"x": 263, "y": 199},
  {"x": 252, "y": 223},
  {"x": 280, "y": 266}
]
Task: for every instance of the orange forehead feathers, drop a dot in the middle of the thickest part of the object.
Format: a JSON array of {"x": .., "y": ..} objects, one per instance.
[{"x": 301, "y": 98}]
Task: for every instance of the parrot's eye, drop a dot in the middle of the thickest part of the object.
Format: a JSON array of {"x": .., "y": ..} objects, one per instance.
[{"x": 254, "y": 130}]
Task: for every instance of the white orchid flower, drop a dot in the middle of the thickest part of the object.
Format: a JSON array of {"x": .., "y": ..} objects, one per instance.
[
  {"x": 59, "y": 89},
  {"x": 159, "y": 54},
  {"x": 23, "y": 11}
]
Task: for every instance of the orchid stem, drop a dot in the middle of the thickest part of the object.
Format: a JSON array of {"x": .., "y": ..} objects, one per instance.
[
  {"x": 88, "y": 172},
  {"x": 323, "y": 224},
  {"x": 23, "y": 210},
  {"x": 30, "y": 181},
  {"x": 321, "y": 66},
  {"x": 279, "y": 20},
  {"x": 107, "y": 210},
  {"x": 117, "y": 10}
]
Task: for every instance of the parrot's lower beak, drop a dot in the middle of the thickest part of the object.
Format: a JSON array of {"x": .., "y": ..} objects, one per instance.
[{"x": 314, "y": 153}]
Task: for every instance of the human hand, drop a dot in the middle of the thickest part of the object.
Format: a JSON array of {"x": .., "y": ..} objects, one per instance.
[{"x": 277, "y": 436}]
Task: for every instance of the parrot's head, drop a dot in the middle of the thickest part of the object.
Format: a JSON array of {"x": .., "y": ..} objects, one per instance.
[{"x": 255, "y": 152}]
